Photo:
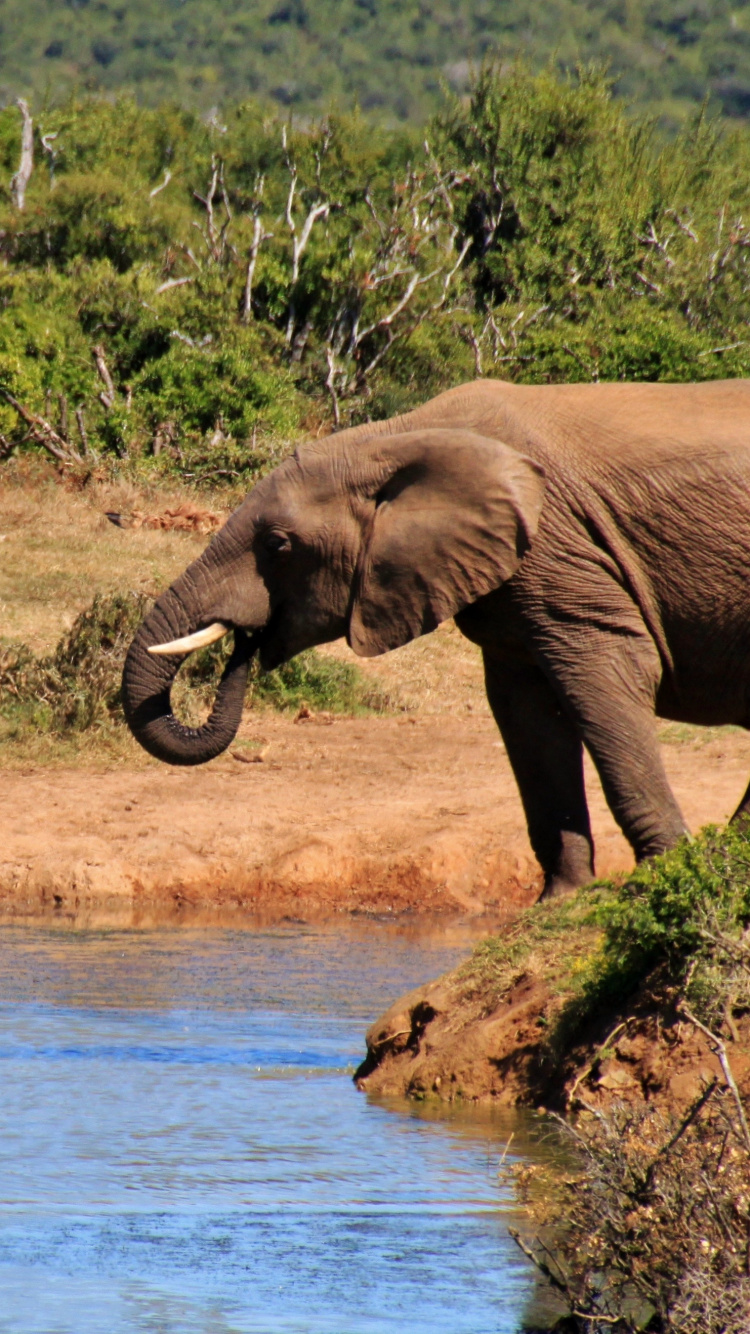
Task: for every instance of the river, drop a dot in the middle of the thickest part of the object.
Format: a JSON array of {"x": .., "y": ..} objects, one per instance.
[{"x": 182, "y": 1148}]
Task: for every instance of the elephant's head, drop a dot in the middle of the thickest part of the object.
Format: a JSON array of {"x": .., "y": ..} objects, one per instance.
[{"x": 379, "y": 538}]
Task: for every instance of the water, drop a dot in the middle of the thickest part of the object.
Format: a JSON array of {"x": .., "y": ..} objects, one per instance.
[{"x": 182, "y": 1148}]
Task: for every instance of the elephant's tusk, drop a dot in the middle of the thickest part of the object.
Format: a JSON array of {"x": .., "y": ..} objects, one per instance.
[{"x": 191, "y": 642}]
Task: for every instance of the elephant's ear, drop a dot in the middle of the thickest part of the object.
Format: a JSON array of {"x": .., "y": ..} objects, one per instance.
[{"x": 454, "y": 513}]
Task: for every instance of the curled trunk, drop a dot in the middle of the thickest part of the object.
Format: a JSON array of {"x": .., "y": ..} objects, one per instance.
[{"x": 147, "y": 683}]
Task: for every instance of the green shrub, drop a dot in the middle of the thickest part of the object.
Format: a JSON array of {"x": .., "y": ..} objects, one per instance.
[
  {"x": 78, "y": 686},
  {"x": 233, "y": 387},
  {"x": 311, "y": 678},
  {"x": 686, "y": 913}
]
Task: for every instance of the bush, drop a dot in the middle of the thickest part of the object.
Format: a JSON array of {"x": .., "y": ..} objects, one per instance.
[
  {"x": 656, "y": 1227},
  {"x": 312, "y": 679},
  {"x": 78, "y": 686},
  {"x": 685, "y": 913}
]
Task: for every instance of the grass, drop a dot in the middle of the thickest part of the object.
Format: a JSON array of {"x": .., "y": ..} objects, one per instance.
[{"x": 554, "y": 941}]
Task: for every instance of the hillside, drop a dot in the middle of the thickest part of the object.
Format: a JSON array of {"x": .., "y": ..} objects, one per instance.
[{"x": 391, "y": 56}]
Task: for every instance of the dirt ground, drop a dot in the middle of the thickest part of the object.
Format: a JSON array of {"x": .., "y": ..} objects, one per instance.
[
  {"x": 410, "y": 814},
  {"x": 416, "y": 812}
]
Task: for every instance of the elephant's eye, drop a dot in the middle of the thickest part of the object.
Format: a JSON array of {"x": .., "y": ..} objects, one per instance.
[{"x": 275, "y": 542}]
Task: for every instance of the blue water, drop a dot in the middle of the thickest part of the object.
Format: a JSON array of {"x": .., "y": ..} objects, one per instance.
[{"x": 182, "y": 1147}]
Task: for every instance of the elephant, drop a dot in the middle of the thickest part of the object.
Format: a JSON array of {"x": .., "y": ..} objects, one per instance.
[{"x": 592, "y": 539}]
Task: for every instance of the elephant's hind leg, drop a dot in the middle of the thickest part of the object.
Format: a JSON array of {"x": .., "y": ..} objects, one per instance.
[{"x": 546, "y": 756}]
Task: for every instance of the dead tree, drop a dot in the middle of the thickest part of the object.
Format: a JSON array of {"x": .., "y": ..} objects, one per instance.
[
  {"x": 416, "y": 252},
  {"x": 40, "y": 430},
  {"x": 19, "y": 182},
  {"x": 108, "y": 394},
  {"x": 319, "y": 209},
  {"x": 215, "y": 236},
  {"x": 259, "y": 236}
]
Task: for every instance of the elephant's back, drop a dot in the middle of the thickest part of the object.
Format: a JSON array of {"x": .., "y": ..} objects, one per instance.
[{"x": 629, "y": 423}]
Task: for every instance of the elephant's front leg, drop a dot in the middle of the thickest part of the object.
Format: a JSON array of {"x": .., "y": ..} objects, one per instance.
[
  {"x": 609, "y": 682},
  {"x": 546, "y": 755}
]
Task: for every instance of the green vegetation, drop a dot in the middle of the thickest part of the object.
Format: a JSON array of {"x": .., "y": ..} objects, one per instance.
[
  {"x": 685, "y": 913},
  {"x": 390, "y": 56},
  {"x": 678, "y": 923},
  {"x": 179, "y": 295},
  {"x": 310, "y": 680},
  {"x": 76, "y": 689}
]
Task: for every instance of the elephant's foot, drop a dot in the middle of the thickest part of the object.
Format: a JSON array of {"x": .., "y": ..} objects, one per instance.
[
  {"x": 574, "y": 867},
  {"x": 557, "y": 888}
]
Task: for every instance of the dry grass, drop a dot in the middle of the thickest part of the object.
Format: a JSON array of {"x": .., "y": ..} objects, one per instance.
[
  {"x": 58, "y": 549},
  {"x": 440, "y": 673}
]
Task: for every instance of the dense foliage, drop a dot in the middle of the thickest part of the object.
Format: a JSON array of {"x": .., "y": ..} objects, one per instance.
[
  {"x": 195, "y": 294},
  {"x": 389, "y": 55}
]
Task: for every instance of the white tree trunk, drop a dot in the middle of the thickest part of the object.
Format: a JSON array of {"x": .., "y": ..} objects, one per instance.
[{"x": 21, "y": 179}]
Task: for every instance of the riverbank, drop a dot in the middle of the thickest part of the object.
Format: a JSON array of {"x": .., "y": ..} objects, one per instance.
[
  {"x": 633, "y": 995},
  {"x": 406, "y": 814},
  {"x": 625, "y": 1010}
]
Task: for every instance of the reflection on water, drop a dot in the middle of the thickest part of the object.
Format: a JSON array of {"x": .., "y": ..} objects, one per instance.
[{"x": 182, "y": 1147}]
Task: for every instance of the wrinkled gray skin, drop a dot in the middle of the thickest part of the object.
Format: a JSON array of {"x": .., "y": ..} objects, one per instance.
[{"x": 594, "y": 540}]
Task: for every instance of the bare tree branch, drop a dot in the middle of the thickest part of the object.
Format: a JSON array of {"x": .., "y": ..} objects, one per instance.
[
  {"x": 108, "y": 395},
  {"x": 721, "y": 1051},
  {"x": 300, "y": 240},
  {"x": 42, "y": 431},
  {"x": 47, "y": 141},
  {"x": 82, "y": 432},
  {"x": 259, "y": 236},
  {"x": 158, "y": 188},
  {"x": 172, "y": 282},
  {"x": 215, "y": 238}
]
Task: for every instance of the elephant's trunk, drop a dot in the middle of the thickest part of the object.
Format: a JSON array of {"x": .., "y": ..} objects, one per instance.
[{"x": 147, "y": 682}]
